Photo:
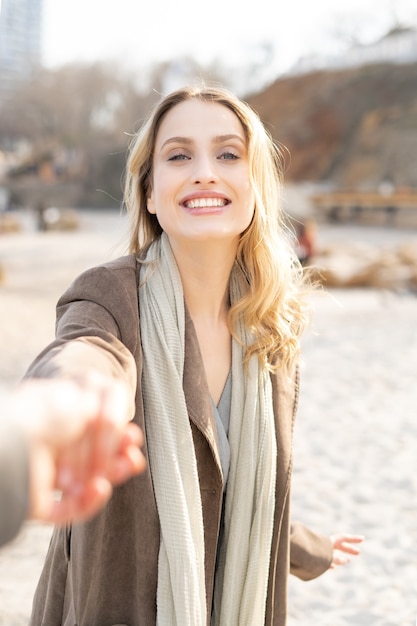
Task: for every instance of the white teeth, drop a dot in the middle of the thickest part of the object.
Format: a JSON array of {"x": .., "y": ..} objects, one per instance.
[{"x": 205, "y": 202}]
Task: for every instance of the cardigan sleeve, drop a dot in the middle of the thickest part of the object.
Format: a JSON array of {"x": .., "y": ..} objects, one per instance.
[
  {"x": 14, "y": 479},
  {"x": 310, "y": 553}
]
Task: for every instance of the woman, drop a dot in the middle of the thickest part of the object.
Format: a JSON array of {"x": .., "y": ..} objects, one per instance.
[{"x": 208, "y": 344}]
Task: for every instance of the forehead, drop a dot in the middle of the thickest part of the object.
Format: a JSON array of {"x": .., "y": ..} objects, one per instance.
[{"x": 196, "y": 117}]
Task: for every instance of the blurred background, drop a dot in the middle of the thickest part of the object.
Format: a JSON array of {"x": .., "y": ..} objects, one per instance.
[{"x": 336, "y": 85}]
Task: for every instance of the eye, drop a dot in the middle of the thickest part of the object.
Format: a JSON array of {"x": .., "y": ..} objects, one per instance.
[
  {"x": 179, "y": 156},
  {"x": 228, "y": 156}
]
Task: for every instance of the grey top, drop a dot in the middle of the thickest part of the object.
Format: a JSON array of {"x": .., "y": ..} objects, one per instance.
[{"x": 222, "y": 415}]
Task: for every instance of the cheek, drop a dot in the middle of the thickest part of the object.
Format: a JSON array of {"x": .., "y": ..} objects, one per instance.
[
  {"x": 150, "y": 195},
  {"x": 249, "y": 217},
  {"x": 249, "y": 209},
  {"x": 150, "y": 205},
  {"x": 160, "y": 194},
  {"x": 246, "y": 187},
  {"x": 250, "y": 200}
]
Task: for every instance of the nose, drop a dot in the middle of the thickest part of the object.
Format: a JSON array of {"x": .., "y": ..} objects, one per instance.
[{"x": 204, "y": 171}]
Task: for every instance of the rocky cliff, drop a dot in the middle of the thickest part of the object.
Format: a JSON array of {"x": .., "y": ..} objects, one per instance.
[{"x": 355, "y": 128}]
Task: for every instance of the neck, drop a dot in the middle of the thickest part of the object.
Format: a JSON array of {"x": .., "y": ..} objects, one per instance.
[{"x": 205, "y": 273}]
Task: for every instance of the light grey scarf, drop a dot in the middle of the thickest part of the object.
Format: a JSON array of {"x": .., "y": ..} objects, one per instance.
[{"x": 244, "y": 556}]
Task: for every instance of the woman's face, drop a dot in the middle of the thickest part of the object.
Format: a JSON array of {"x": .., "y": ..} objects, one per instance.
[{"x": 200, "y": 185}]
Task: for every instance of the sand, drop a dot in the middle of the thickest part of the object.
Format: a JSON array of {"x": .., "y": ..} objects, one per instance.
[{"x": 355, "y": 437}]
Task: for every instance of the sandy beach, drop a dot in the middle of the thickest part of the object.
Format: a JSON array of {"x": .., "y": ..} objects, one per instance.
[{"x": 355, "y": 438}]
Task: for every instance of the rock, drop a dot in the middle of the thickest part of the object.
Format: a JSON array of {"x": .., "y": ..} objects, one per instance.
[
  {"x": 356, "y": 265},
  {"x": 407, "y": 252},
  {"x": 9, "y": 223},
  {"x": 60, "y": 219}
]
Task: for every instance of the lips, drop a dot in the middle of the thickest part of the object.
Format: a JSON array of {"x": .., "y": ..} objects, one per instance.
[{"x": 202, "y": 203}]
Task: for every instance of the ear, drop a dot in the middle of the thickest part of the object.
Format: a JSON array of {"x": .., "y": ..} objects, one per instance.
[{"x": 150, "y": 204}]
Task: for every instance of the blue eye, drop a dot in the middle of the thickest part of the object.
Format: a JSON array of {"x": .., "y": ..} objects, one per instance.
[
  {"x": 228, "y": 156},
  {"x": 178, "y": 157}
]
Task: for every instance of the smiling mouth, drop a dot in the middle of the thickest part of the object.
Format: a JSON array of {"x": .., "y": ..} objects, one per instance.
[{"x": 202, "y": 203}]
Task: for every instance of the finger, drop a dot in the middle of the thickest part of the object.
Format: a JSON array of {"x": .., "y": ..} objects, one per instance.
[
  {"x": 109, "y": 428},
  {"x": 133, "y": 434},
  {"x": 42, "y": 482},
  {"x": 128, "y": 464},
  {"x": 353, "y": 538},
  {"x": 340, "y": 559},
  {"x": 81, "y": 504},
  {"x": 116, "y": 404},
  {"x": 347, "y": 547},
  {"x": 104, "y": 445},
  {"x": 129, "y": 459},
  {"x": 338, "y": 540},
  {"x": 74, "y": 462}
]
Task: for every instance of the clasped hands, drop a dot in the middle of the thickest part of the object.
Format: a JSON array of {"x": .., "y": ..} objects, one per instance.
[{"x": 81, "y": 444}]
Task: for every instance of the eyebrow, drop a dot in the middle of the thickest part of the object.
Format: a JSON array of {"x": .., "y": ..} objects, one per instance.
[
  {"x": 217, "y": 139},
  {"x": 223, "y": 138}
]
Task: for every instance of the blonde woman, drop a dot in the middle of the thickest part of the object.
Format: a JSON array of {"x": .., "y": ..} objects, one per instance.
[{"x": 202, "y": 320}]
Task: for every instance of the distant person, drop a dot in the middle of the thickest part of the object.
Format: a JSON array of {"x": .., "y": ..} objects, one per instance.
[
  {"x": 58, "y": 436},
  {"x": 202, "y": 320},
  {"x": 305, "y": 244},
  {"x": 41, "y": 223}
]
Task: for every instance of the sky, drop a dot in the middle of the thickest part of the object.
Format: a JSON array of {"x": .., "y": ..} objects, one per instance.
[{"x": 269, "y": 34}]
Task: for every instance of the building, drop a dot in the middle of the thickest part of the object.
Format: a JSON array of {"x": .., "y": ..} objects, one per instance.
[
  {"x": 20, "y": 41},
  {"x": 399, "y": 45}
]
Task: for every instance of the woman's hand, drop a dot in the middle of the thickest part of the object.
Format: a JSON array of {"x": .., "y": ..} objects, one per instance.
[{"x": 344, "y": 546}]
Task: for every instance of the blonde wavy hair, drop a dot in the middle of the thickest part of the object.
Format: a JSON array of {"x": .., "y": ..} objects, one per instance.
[{"x": 273, "y": 308}]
